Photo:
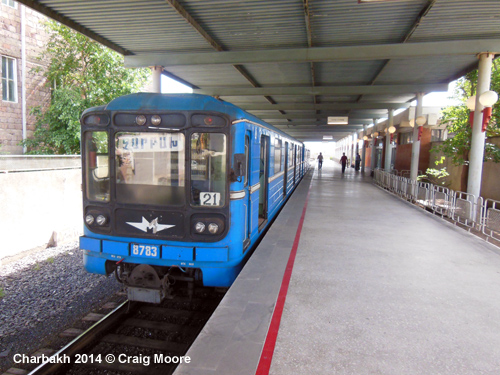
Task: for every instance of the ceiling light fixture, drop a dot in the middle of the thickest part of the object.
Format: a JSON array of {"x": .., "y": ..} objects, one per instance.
[{"x": 338, "y": 120}]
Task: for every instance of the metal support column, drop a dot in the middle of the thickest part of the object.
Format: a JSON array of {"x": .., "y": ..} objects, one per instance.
[
  {"x": 374, "y": 145},
  {"x": 415, "y": 150},
  {"x": 353, "y": 147},
  {"x": 156, "y": 87},
  {"x": 388, "y": 148},
  {"x": 478, "y": 136},
  {"x": 363, "y": 151}
]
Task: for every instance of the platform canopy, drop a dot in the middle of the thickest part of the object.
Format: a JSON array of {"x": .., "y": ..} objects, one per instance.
[{"x": 294, "y": 63}]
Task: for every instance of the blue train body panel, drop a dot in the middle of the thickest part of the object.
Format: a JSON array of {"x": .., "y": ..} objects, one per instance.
[{"x": 238, "y": 172}]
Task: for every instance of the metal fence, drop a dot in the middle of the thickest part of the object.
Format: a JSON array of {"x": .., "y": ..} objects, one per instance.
[{"x": 471, "y": 212}]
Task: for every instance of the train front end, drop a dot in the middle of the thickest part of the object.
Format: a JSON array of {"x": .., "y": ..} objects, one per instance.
[{"x": 156, "y": 194}]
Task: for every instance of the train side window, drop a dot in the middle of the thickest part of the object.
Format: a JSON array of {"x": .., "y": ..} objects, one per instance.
[
  {"x": 247, "y": 160},
  {"x": 277, "y": 155},
  {"x": 97, "y": 166},
  {"x": 290, "y": 155},
  {"x": 208, "y": 169}
]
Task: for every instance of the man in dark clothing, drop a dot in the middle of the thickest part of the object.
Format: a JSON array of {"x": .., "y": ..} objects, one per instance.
[
  {"x": 320, "y": 160},
  {"x": 358, "y": 161},
  {"x": 343, "y": 161}
]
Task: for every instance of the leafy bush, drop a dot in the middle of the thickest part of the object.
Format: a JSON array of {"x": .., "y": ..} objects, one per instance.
[{"x": 82, "y": 74}]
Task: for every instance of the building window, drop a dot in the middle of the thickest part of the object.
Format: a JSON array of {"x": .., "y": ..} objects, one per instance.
[
  {"x": 10, "y": 3},
  {"x": 8, "y": 79},
  {"x": 405, "y": 138},
  {"x": 438, "y": 135}
]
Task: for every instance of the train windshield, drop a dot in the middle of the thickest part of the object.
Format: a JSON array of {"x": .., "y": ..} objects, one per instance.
[
  {"x": 150, "y": 168},
  {"x": 208, "y": 169}
]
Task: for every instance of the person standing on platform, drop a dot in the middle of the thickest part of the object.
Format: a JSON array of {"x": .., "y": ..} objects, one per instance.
[
  {"x": 320, "y": 160},
  {"x": 343, "y": 161},
  {"x": 358, "y": 161}
]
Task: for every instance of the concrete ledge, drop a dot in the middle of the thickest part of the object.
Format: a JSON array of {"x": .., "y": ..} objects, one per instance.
[
  {"x": 36, "y": 204},
  {"x": 14, "y": 163}
]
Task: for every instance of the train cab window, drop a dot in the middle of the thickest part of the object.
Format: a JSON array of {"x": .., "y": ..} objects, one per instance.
[
  {"x": 150, "y": 168},
  {"x": 97, "y": 166},
  {"x": 208, "y": 169}
]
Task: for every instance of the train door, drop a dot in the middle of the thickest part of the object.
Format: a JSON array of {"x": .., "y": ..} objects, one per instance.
[
  {"x": 263, "y": 179},
  {"x": 248, "y": 202},
  {"x": 285, "y": 176}
]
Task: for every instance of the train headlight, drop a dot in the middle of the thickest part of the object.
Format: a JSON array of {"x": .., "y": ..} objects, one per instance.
[
  {"x": 101, "y": 220},
  {"x": 213, "y": 228},
  {"x": 140, "y": 120},
  {"x": 199, "y": 227},
  {"x": 156, "y": 120},
  {"x": 89, "y": 219}
]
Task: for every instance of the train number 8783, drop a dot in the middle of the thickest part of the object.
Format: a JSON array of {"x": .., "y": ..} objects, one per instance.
[{"x": 146, "y": 251}]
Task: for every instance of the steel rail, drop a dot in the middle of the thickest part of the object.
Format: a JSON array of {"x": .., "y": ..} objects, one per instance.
[{"x": 85, "y": 339}]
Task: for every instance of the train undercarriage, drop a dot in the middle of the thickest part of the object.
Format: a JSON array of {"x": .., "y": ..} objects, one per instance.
[{"x": 146, "y": 283}]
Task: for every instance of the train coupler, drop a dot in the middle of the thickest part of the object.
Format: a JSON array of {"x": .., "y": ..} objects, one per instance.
[{"x": 144, "y": 285}]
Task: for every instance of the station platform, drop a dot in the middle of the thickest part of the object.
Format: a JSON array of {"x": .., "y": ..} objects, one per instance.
[{"x": 352, "y": 280}]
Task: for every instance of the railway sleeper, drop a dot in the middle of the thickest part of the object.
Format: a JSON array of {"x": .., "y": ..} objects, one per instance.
[
  {"x": 147, "y": 324},
  {"x": 166, "y": 346}
]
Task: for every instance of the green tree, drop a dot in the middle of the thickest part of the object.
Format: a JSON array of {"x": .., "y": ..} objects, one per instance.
[
  {"x": 435, "y": 176},
  {"x": 82, "y": 74},
  {"x": 457, "y": 146}
]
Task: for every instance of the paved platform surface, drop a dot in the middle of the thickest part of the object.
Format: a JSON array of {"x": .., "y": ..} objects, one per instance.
[{"x": 378, "y": 287}]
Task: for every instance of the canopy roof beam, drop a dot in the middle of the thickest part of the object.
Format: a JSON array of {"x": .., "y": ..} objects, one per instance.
[
  {"x": 367, "y": 118},
  {"x": 414, "y": 27},
  {"x": 321, "y": 129},
  {"x": 321, "y": 106},
  {"x": 332, "y": 90},
  {"x": 74, "y": 25},
  {"x": 215, "y": 45},
  {"x": 313, "y": 122},
  {"x": 314, "y": 54}
]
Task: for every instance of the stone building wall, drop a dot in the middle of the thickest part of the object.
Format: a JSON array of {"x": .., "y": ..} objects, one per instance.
[{"x": 37, "y": 92}]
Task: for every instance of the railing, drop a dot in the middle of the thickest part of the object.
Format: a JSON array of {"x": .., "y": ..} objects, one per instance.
[
  {"x": 423, "y": 193},
  {"x": 406, "y": 173},
  {"x": 467, "y": 209},
  {"x": 442, "y": 201},
  {"x": 482, "y": 215},
  {"x": 491, "y": 219}
]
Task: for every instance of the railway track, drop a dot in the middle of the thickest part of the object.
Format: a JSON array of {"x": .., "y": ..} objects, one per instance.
[{"x": 137, "y": 338}]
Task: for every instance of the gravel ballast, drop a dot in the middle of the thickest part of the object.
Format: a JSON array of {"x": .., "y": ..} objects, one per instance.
[{"x": 45, "y": 292}]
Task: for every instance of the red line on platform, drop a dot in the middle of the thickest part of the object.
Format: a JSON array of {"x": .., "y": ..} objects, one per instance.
[{"x": 266, "y": 356}]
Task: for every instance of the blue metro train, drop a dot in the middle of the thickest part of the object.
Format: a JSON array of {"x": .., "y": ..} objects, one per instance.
[{"x": 180, "y": 187}]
